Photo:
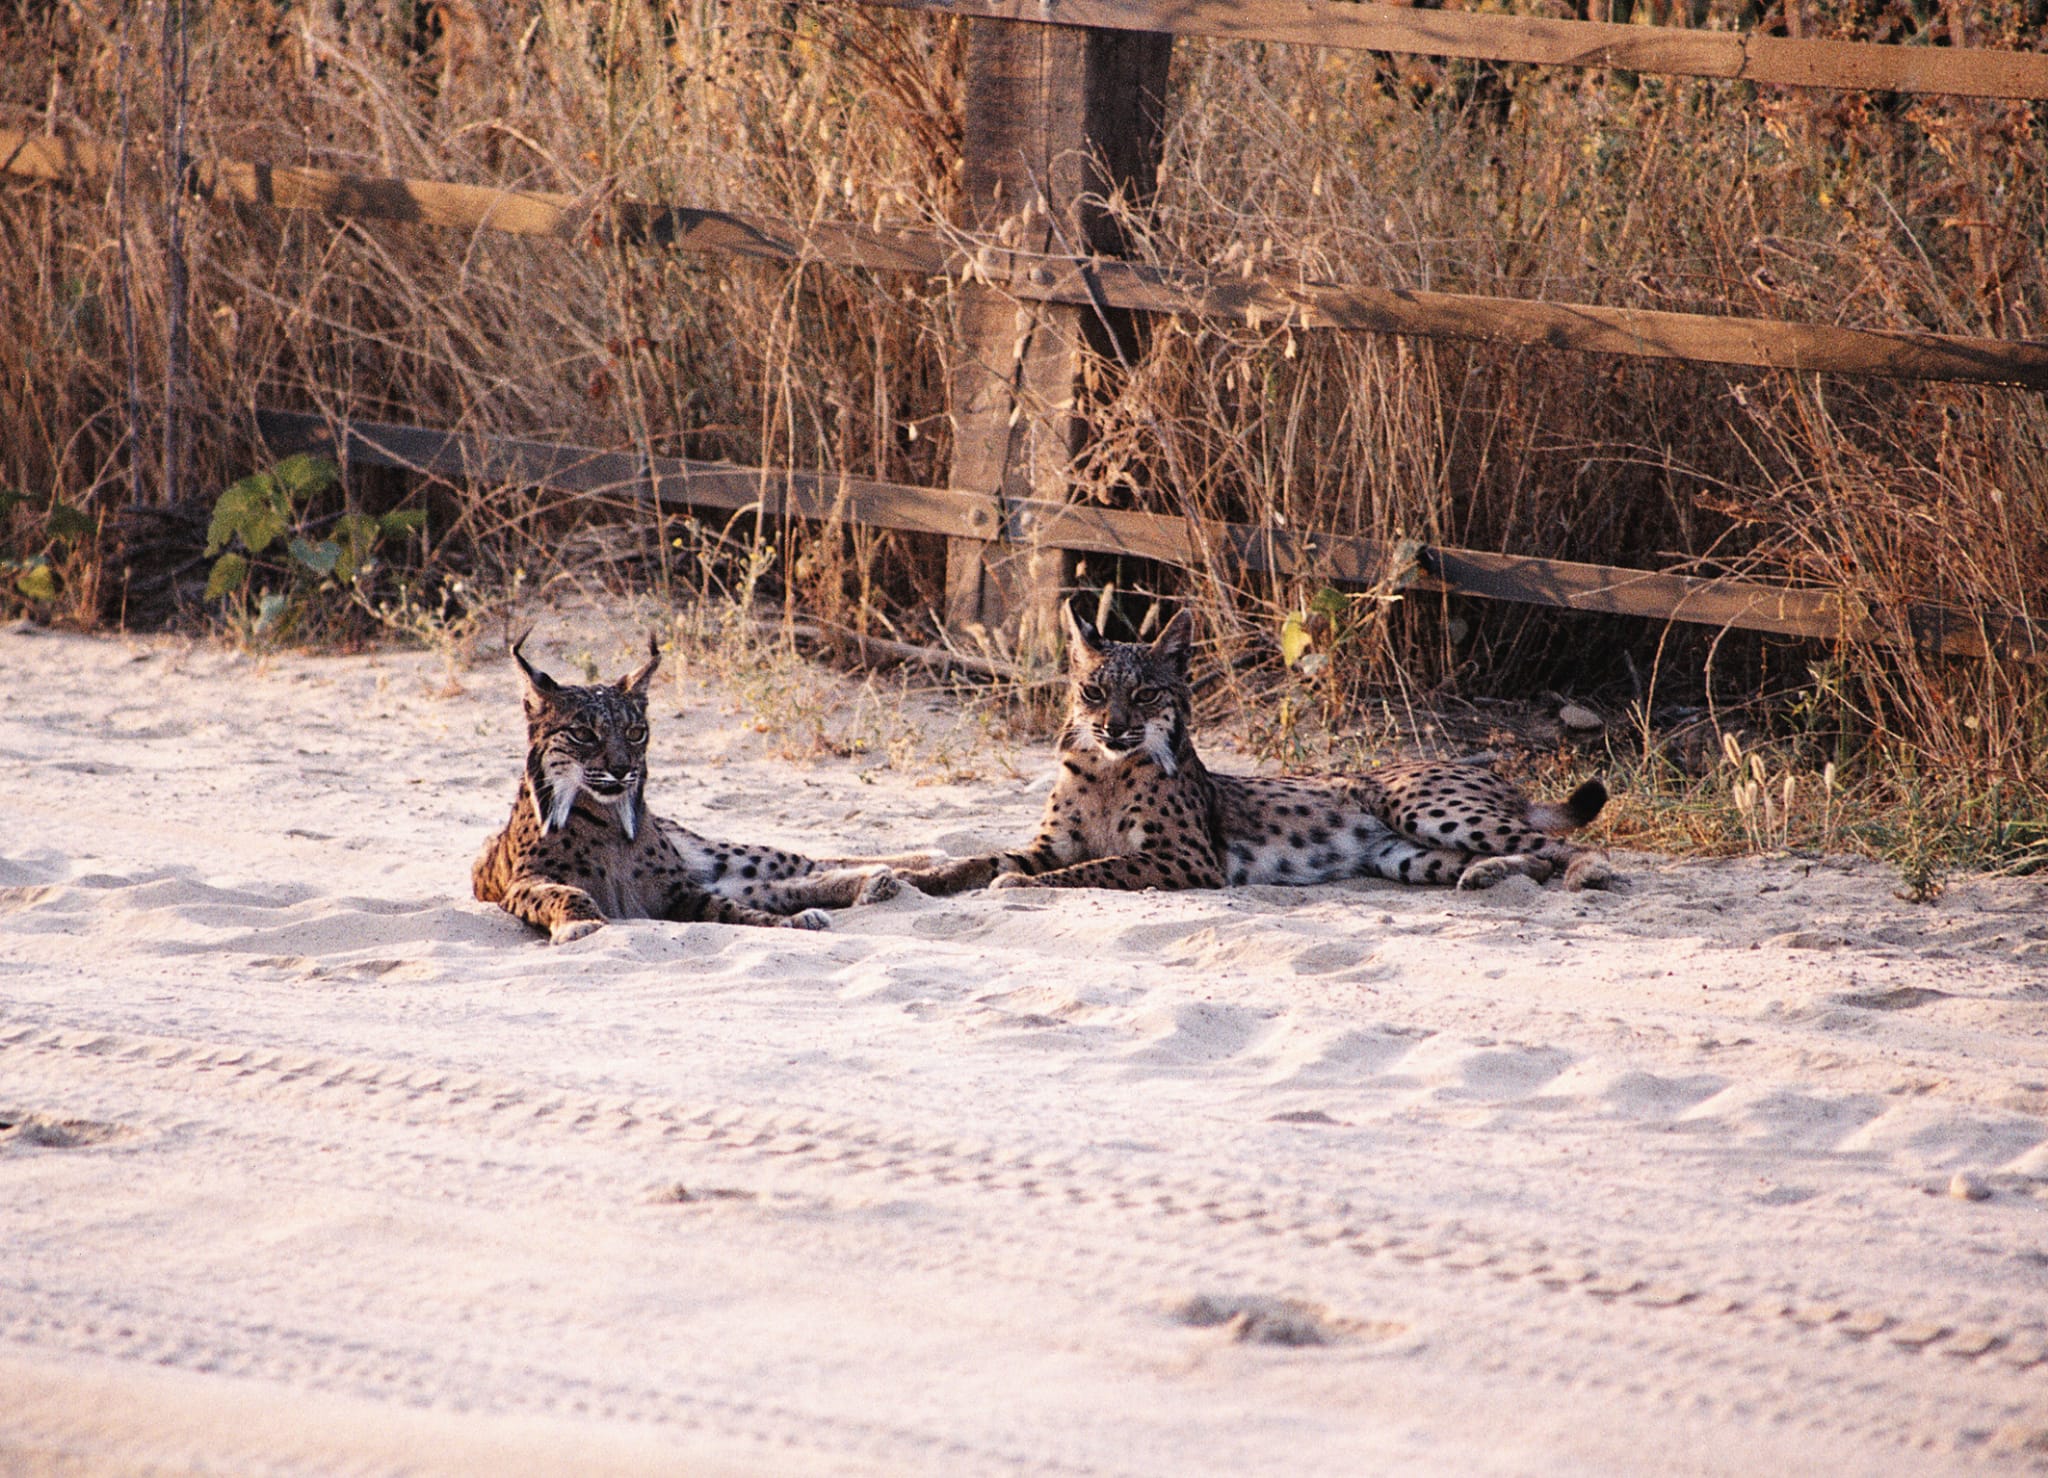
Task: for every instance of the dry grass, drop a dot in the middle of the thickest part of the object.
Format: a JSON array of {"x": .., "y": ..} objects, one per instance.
[{"x": 1877, "y": 212}]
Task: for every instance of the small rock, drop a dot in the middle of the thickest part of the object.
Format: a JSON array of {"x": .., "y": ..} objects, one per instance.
[
  {"x": 1969, "y": 1187},
  {"x": 1572, "y": 716},
  {"x": 1808, "y": 939}
]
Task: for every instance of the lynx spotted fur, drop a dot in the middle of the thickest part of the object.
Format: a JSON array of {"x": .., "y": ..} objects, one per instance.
[
  {"x": 1134, "y": 806},
  {"x": 580, "y": 848}
]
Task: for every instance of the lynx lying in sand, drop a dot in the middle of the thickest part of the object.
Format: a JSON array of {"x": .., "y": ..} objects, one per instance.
[
  {"x": 1134, "y": 807},
  {"x": 580, "y": 847}
]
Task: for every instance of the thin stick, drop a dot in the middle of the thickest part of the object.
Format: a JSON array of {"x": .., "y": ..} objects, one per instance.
[
  {"x": 131, "y": 337},
  {"x": 176, "y": 60},
  {"x": 876, "y": 649}
]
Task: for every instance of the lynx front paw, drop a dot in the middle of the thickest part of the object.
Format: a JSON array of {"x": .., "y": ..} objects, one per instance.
[
  {"x": 1011, "y": 880},
  {"x": 570, "y": 930},
  {"x": 810, "y": 918}
]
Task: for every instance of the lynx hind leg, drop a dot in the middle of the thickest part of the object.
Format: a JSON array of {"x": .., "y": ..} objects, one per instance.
[
  {"x": 872, "y": 882},
  {"x": 1581, "y": 868},
  {"x": 882, "y": 884},
  {"x": 955, "y": 875},
  {"x": 1399, "y": 859},
  {"x": 834, "y": 887},
  {"x": 1470, "y": 809},
  {"x": 1132, "y": 872},
  {"x": 1461, "y": 808}
]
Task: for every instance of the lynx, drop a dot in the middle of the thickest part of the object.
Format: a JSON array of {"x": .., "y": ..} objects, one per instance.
[
  {"x": 1134, "y": 806},
  {"x": 580, "y": 847}
]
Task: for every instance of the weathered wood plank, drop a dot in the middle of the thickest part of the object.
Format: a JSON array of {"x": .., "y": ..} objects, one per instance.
[
  {"x": 1051, "y": 116},
  {"x": 542, "y": 213},
  {"x": 1666, "y": 50},
  {"x": 475, "y": 458},
  {"x": 1085, "y": 528},
  {"x": 1052, "y": 275},
  {"x": 1583, "y": 327}
]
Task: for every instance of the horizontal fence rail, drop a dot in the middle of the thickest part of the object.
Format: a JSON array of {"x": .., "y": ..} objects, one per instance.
[
  {"x": 1189, "y": 543},
  {"x": 1096, "y": 282},
  {"x": 1668, "y": 50}
]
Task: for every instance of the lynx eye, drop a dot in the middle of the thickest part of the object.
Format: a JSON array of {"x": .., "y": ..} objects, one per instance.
[
  {"x": 583, "y": 734},
  {"x": 636, "y": 734},
  {"x": 1091, "y": 695},
  {"x": 1145, "y": 697}
]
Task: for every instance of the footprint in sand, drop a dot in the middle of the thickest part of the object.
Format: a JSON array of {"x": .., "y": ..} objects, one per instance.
[
  {"x": 1900, "y": 998},
  {"x": 1257, "y": 1319},
  {"x": 1194, "y": 1033},
  {"x": 1145, "y": 939},
  {"x": 48, "y": 1132},
  {"x": 34, "y": 869},
  {"x": 1350, "y": 1055},
  {"x": 1774, "y": 1114},
  {"x": 680, "y": 1194},
  {"x": 1330, "y": 957},
  {"x": 1450, "y": 1069},
  {"x": 950, "y": 926},
  {"x": 1628, "y": 1093}
]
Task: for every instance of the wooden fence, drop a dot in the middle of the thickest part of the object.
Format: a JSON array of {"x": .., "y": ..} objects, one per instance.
[
  {"x": 1088, "y": 528},
  {"x": 1744, "y": 56},
  {"x": 1059, "y": 95}
]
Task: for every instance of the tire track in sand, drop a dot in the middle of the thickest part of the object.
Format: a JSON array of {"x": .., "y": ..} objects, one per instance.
[{"x": 1288, "y": 1242}]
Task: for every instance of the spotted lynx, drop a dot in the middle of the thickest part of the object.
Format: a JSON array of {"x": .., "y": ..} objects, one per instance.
[
  {"x": 580, "y": 848},
  {"x": 1134, "y": 807}
]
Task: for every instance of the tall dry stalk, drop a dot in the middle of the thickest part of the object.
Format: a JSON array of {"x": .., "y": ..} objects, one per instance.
[{"x": 174, "y": 59}]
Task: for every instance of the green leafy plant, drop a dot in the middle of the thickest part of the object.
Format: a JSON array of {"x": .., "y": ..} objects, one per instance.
[
  {"x": 267, "y": 524},
  {"x": 1307, "y": 636},
  {"x": 53, "y": 528},
  {"x": 1331, "y": 620}
]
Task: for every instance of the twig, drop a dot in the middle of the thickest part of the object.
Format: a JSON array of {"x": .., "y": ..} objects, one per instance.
[
  {"x": 876, "y": 649},
  {"x": 131, "y": 336},
  {"x": 176, "y": 62}
]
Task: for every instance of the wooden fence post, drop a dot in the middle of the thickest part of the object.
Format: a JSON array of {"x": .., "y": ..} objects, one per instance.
[{"x": 1055, "y": 115}]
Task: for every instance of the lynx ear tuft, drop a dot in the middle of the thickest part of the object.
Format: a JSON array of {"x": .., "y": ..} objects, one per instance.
[
  {"x": 537, "y": 682},
  {"x": 1081, "y": 633},
  {"x": 637, "y": 682}
]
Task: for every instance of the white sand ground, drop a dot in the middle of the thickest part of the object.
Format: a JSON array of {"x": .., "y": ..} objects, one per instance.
[{"x": 315, "y": 1165}]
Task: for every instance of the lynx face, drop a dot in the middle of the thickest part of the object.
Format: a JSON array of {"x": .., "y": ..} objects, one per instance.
[
  {"x": 587, "y": 741},
  {"x": 1129, "y": 697}
]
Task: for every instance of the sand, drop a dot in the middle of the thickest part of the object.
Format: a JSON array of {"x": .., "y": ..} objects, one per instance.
[{"x": 312, "y": 1164}]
